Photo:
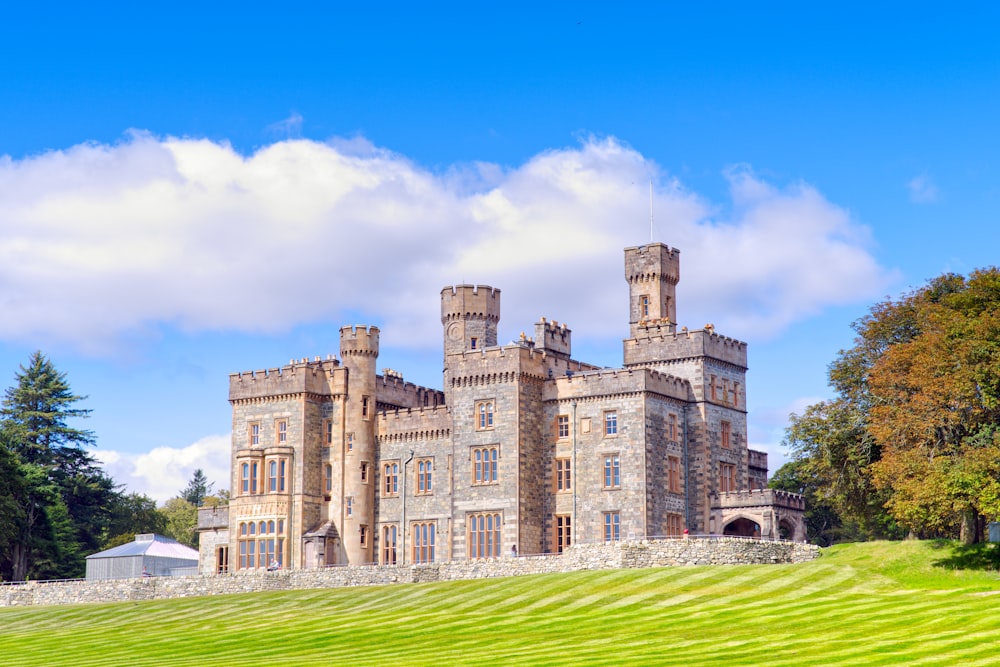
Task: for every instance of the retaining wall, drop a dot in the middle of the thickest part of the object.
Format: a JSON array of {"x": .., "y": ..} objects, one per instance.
[{"x": 646, "y": 553}]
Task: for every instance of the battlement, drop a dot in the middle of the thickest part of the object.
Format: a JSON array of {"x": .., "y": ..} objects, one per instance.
[
  {"x": 392, "y": 392},
  {"x": 653, "y": 261},
  {"x": 304, "y": 376},
  {"x": 359, "y": 339},
  {"x": 665, "y": 343},
  {"x": 406, "y": 420},
  {"x": 606, "y": 382},
  {"x": 762, "y": 498},
  {"x": 470, "y": 301},
  {"x": 552, "y": 337}
]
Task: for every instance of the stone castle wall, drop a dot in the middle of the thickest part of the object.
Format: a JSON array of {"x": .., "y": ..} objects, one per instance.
[{"x": 638, "y": 554}]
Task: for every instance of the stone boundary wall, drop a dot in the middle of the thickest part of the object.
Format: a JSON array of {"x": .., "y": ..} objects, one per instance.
[{"x": 639, "y": 554}]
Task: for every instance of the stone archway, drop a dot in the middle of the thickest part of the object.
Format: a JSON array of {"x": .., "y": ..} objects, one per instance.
[{"x": 742, "y": 527}]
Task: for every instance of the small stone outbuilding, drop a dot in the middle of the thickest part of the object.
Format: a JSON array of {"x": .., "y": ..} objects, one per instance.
[{"x": 149, "y": 555}]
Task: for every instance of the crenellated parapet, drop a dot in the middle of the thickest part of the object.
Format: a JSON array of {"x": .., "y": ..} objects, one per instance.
[
  {"x": 770, "y": 498},
  {"x": 431, "y": 423},
  {"x": 671, "y": 345},
  {"x": 470, "y": 302},
  {"x": 618, "y": 382},
  {"x": 316, "y": 377},
  {"x": 553, "y": 337},
  {"x": 652, "y": 262},
  {"x": 359, "y": 340},
  {"x": 392, "y": 392}
]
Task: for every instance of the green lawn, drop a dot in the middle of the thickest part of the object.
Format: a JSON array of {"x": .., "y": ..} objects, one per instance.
[{"x": 863, "y": 604}]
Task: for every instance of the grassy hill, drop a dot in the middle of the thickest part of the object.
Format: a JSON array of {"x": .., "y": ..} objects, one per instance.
[{"x": 862, "y": 604}]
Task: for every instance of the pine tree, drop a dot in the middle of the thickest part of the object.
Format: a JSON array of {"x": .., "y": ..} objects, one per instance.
[
  {"x": 197, "y": 489},
  {"x": 64, "y": 499}
]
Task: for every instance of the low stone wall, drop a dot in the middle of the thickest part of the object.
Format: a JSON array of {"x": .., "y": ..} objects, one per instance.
[{"x": 646, "y": 553}]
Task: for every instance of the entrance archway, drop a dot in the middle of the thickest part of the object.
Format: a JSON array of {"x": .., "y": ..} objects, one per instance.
[{"x": 742, "y": 527}]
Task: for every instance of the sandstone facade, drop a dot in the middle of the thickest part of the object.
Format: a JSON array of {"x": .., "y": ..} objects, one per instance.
[{"x": 334, "y": 464}]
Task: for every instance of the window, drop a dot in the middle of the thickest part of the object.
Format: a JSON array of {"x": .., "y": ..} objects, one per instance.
[
  {"x": 349, "y": 509},
  {"x": 484, "y": 535},
  {"x": 425, "y": 476},
  {"x": 364, "y": 472},
  {"x": 674, "y": 474},
  {"x": 281, "y": 427},
  {"x": 734, "y": 394},
  {"x": 254, "y": 434},
  {"x": 644, "y": 305},
  {"x": 612, "y": 526},
  {"x": 564, "y": 532},
  {"x": 612, "y": 471},
  {"x": 422, "y": 535},
  {"x": 390, "y": 479},
  {"x": 222, "y": 560},
  {"x": 365, "y": 408},
  {"x": 272, "y": 476},
  {"x": 363, "y": 535},
  {"x": 564, "y": 480},
  {"x": 328, "y": 430},
  {"x": 254, "y": 473},
  {"x": 350, "y": 442},
  {"x": 727, "y": 477},
  {"x": 328, "y": 480},
  {"x": 389, "y": 545},
  {"x": 727, "y": 430},
  {"x": 484, "y": 410},
  {"x": 713, "y": 389},
  {"x": 261, "y": 544},
  {"x": 245, "y": 478},
  {"x": 611, "y": 422},
  {"x": 484, "y": 465},
  {"x": 562, "y": 426},
  {"x": 672, "y": 427},
  {"x": 675, "y": 525},
  {"x": 473, "y": 343}
]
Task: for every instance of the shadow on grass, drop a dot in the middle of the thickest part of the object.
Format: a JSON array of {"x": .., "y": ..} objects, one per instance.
[{"x": 984, "y": 556}]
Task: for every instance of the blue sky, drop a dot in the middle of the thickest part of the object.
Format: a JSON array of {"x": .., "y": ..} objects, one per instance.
[{"x": 211, "y": 189}]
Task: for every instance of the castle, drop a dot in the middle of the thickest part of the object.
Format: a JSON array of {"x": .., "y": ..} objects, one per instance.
[{"x": 525, "y": 448}]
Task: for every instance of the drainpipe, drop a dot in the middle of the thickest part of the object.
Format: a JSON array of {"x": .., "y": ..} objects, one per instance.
[
  {"x": 572, "y": 480},
  {"x": 402, "y": 518},
  {"x": 684, "y": 465}
]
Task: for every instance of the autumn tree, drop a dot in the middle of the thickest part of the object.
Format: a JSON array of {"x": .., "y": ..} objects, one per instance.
[{"x": 911, "y": 436}]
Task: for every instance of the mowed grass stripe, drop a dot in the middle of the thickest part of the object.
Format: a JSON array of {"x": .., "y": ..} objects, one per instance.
[{"x": 858, "y": 605}]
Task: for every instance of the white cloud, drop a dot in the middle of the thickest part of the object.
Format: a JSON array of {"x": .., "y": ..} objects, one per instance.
[
  {"x": 163, "y": 472},
  {"x": 767, "y": 429},
  {"x": 102, "y": 243},
  {"x": 923, "y": 190}
]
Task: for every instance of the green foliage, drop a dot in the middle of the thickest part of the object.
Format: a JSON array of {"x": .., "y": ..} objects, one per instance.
[
  {"x": 57, "y": 493},
  {"x": 182, "y": 521},
  {"x": 197, "y": 489},
  {"x": 130, "y": 514},
  {"x": 908, "y": 442},
  {"x": 876, "y": 603}
]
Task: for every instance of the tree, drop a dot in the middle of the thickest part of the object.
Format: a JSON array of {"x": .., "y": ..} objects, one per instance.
[
  {"x": 63, "y": 492},
  {"x": 182, "y": 521},
  {"x": 197, "y": 489},
  {"x": 131, "y": 514},
  {"x": 910, "y": 437}
]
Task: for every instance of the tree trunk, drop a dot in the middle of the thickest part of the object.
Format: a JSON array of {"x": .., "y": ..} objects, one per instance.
[
  {"x": 968, "y": 534},
  {"x": 19, "y": 561}
]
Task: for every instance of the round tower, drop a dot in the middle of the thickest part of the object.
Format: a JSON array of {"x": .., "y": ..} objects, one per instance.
[
  {"x": 358, "y": 353},
  {"x": 469, "y": 315}
]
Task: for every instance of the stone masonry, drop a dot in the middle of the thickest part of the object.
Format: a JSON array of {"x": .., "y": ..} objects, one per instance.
[{"x": 524, "y": 446}]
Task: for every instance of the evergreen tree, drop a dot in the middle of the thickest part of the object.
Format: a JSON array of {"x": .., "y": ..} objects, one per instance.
[
  {"x": 197, "y": 489},
  {"x": 63, "y": 494}
]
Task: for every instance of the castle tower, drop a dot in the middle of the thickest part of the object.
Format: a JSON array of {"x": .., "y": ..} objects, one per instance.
[
  {"x": 469, "y": 315},
  {"x": 652, "y": 272},
  {"x": 358, "y": 352}
]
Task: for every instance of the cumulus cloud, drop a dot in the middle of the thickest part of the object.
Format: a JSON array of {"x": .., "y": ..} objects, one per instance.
[
  {"x": 101, "y": 243},
  {"x": 767, "y": 430},
  {"x": 163, "y": 472},
  {"x": 923, "y": 190}
]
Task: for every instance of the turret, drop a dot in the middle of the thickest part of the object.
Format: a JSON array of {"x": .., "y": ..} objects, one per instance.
[
  {"x": 358, "y": 353},
  {"x": 469, "y": 315},
  {"x": 652, "y": 272}
]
